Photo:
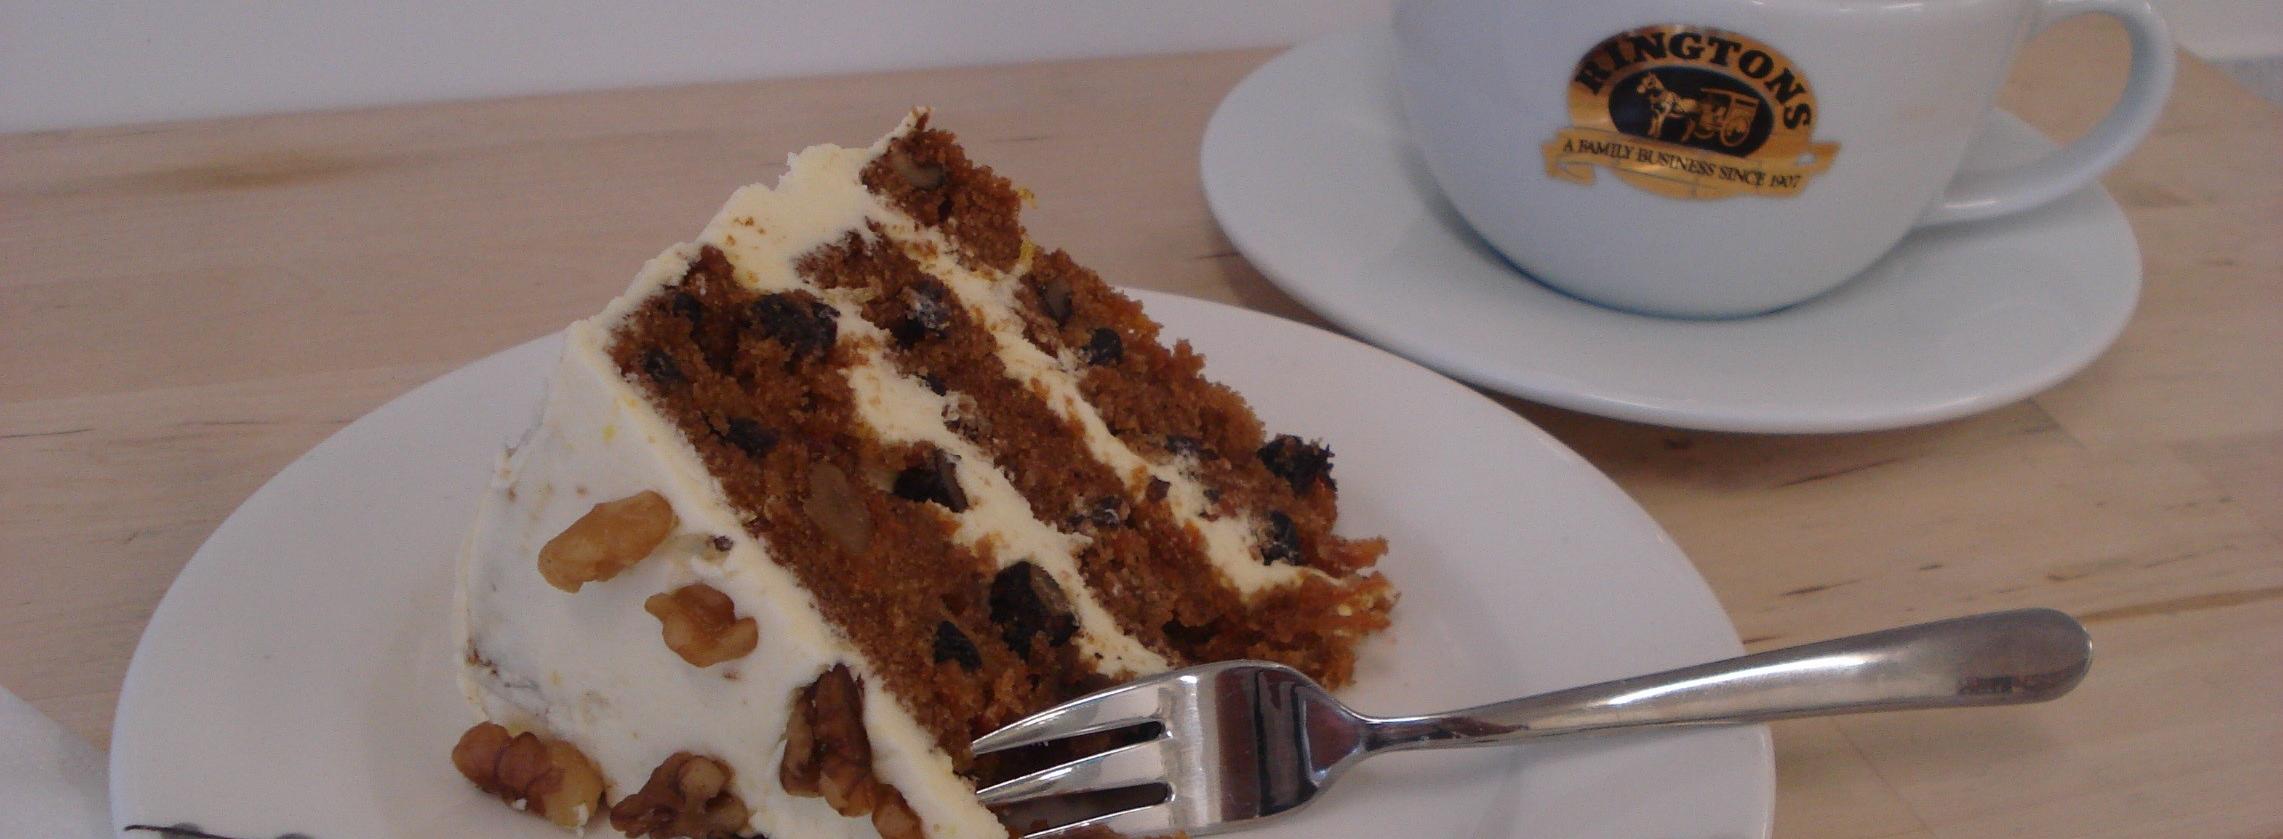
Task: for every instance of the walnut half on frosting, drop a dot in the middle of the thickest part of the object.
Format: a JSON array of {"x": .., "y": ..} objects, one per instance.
[
  {"x": 827, "y": 751},
  {"x": 548, "y": 778},
  {"x": 828, "y": 754},
  {"x": 701, "y": 625},
  {"x": 606, "y": 541},
  {"x": 686, "y": 796}
]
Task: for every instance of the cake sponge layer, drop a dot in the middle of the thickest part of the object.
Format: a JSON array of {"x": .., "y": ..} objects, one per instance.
[{"x": 923, "y": 478}]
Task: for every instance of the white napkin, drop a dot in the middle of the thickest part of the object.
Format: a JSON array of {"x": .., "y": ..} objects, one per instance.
[{"x": 51, "y": 782}]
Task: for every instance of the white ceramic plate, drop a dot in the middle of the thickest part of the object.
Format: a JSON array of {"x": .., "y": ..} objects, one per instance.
[
  {"x": 1308, "y": 169},
  {"x": 298, "y": 677}
]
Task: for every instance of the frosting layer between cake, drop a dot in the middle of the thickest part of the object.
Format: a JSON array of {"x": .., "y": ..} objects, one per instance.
[{"x": 589, "y": 667}]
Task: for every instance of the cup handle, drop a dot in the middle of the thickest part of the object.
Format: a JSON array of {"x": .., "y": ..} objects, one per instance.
[{"x": 2014, "y": 189}]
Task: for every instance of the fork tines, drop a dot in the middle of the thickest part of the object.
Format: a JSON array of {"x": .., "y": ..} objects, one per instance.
[{"x": 1141, "y": 764}]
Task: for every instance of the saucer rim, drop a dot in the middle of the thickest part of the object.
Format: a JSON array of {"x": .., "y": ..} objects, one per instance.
[{"x": 1555, "y": 388}]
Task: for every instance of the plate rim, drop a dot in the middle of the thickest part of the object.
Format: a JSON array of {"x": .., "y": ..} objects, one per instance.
[
  {"x": 135, "y": 691},
  {"x": 1552, "y": 387}
]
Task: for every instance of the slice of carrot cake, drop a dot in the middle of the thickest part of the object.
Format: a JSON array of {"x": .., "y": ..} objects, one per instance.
[{"x": 857, "y": 476}]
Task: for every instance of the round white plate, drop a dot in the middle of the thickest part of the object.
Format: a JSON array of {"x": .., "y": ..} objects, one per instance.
[
  {"x": 1308, "y": 169},
  {"x": 299, "y": 676}
]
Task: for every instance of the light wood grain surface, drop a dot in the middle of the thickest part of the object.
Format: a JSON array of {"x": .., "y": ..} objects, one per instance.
[{"x": 185, "y": 308}]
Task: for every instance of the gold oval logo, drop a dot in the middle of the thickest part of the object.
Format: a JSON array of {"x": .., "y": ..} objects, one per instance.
[{"x": 1690, "y": 112}]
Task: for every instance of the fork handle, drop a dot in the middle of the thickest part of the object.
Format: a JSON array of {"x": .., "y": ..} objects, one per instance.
[{"x": 1996, "y": 658}]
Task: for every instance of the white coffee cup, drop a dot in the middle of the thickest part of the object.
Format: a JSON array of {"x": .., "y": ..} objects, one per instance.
[{"x": 1719, "y": 158}]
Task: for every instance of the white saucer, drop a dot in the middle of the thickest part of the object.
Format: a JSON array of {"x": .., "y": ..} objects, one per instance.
[
  {"x": 299, "y": 677},
  {"x": 1307, "y": 167}
]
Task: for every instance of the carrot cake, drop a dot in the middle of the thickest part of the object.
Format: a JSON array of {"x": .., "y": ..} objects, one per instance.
[{"x": 858, "y": 475}]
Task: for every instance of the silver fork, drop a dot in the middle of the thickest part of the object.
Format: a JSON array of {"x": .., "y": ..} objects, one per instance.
[{"x": 1245, "y": 741}]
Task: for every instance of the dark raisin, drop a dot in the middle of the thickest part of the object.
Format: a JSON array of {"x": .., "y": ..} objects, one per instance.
[
  {"x": 934, "y": 383},
  {"x": 928, "y": 306},
  {"x": 1190, "y": 636},
  {"x": 1298, "y": 462},
  {"x": 952, "y": 645},
  {"x": 661, "y": 368},
  {"x": 804, "y": 324},
  {"x": 1027, "y": 603},
  {"x": 1054, "y": 300},
  {"x": 723, "y": 544},
  {"x": 1212, "y": 495},
  {"x": 1110, "y": 511},
  {"x": 1104, "y": 348},
  {"x": 935, "y": 479},
  {"x": 1281, "y": 541},
  {"x": 925, "y": 314},
  {"x": 749, "y": 437},
  {"x": 1183, "y": 444},
  {"x": 1158, "y": 488},
  {"x": 687, "y": 306}
]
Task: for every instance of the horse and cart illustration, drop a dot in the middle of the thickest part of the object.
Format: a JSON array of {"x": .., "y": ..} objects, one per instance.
[{"x": 1723, "y": 116}]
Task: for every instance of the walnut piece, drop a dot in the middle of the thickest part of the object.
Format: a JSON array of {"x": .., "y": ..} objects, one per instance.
[
  {"x": 837, "y": 511},
  {"x": 844, "y": 749},
  {"x": 548, "y": 778},
  {"x": 797, "y": 770},
  {"x": 828, "y": 753},
  {"x": 686, "y": 796},
  {"x": 826, "y": 749},
  {"x": 894, "y": 818},
  {"x": 606, "y": 541},
  {"x": 701, "y": 625}
]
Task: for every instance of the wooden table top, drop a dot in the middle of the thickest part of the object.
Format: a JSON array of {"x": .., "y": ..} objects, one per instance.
[{"x": 185, "y": 308}]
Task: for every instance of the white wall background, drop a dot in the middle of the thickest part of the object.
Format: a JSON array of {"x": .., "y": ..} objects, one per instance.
[
  {"x": 73, "y": 63},
  {"x": 77, "y": 63}
]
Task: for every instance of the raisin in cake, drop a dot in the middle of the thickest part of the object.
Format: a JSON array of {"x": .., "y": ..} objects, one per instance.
[{"x": 857, "y": 476}]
